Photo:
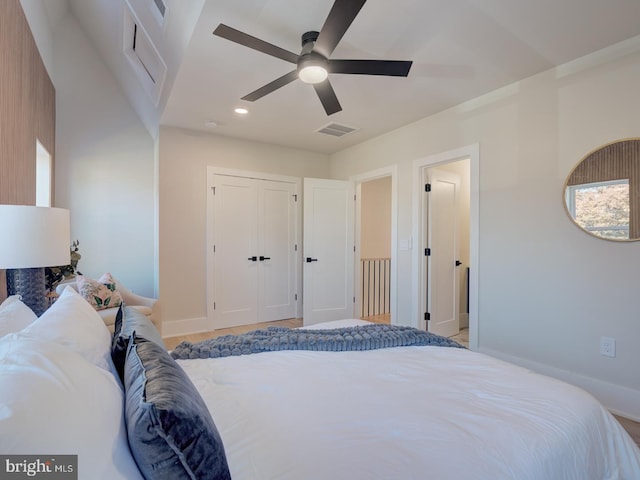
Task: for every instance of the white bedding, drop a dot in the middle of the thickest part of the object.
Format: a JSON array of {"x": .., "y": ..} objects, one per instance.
[{"x": 406, "y": 413}]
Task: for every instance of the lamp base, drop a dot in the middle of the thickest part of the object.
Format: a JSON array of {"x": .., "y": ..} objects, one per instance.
[{"x": 29, "y": 283}]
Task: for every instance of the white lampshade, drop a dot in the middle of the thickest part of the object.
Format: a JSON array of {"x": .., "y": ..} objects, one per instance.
[{"x": 33, "y": 237}]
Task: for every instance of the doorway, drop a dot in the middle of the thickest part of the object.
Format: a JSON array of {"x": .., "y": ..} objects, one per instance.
[
  {"x": 459, "y": 282},
  {"x": 376, "y": 261},
  {"x": 374, "y": 264}
]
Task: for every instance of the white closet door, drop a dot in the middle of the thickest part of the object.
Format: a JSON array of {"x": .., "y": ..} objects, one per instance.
[
  {"x": 236, "y": 245},
  {"x": 254, "y": 235},
  {"x": 276, "y": 239}
]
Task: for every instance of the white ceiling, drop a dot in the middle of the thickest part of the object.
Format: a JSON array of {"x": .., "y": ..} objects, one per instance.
[{"x": 461, "y": 49}]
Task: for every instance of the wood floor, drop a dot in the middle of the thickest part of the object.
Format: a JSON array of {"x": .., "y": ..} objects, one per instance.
[
  {"x": 171, "y": 343},
  {"x": 291, "y": 323},
  {"x": 633, "y": 428}
]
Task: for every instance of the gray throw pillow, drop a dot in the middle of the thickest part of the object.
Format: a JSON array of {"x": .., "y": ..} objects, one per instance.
[
  {"x": 171, "y": 433},
  {"x": 128, "y": 321}
]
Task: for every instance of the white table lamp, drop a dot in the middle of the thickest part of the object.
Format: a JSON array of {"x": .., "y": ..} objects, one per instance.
[{"x": 32, "y": 238}]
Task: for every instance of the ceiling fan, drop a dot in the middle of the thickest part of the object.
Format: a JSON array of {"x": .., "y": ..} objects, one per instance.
[{"x": 313, "y": 63}]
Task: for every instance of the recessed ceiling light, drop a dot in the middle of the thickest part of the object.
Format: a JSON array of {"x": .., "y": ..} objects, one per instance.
[{"x": 241, "y": 111}]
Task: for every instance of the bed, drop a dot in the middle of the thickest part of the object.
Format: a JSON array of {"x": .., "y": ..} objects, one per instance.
[{"x": 402, "y": 412}]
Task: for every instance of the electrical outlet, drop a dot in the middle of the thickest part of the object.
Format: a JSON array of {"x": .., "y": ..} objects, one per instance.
[{"x": 608, "y": 346}]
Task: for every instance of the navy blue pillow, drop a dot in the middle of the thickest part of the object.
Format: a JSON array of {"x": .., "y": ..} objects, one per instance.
[
  {"x": 117, "y": 325},
  {"x": 171, "y": 433},
  {"x": 128, "y": 321}
]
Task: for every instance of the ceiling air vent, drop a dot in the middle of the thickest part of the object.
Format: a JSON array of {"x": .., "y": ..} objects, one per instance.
[
  {"x": 336, "y": 130},
  {"x": 143, "y": 56},
  {"x": 159, "y": 10}
]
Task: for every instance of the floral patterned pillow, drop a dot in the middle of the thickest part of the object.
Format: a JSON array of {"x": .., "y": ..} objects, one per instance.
[{"x": 101, "y": 293}]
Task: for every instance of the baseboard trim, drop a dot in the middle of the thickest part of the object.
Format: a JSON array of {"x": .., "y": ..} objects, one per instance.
[
  {"x": 617, "y": 399},
  {"x": 185, "y": 326}
]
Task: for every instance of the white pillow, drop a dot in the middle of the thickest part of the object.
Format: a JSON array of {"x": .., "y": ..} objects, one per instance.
[
  {"x": 14, "y": 315},
  {"x": 52, "y": 402},
  {"x": 72, "y": 322}
]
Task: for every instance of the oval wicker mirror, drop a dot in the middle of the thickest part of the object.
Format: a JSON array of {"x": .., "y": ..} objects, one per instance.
[{"x": 602, "y": 193}]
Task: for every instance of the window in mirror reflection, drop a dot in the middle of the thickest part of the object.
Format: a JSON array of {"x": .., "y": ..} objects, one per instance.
[{"x": 601, "y": 208}]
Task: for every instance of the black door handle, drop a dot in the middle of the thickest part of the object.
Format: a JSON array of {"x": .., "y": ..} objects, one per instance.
[
  {"x": 458, "y": 263},
  {"x": 253, "y": 259},
  {"x": 309, "y": 259},
  {"x": 262, "y": 259}
]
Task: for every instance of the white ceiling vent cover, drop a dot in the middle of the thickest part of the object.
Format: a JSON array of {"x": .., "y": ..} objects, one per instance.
[
  {"x": 336, "y": 130},
  {"x": 159, "y": 10},
  {"x": 143, "y": 56}
]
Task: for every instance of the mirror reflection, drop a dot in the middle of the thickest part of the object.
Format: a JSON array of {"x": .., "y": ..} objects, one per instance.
[{"x": 602, "y": 193}]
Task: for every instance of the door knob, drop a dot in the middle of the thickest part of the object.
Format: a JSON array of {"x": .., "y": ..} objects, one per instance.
[
  {"x": 309, "y": 259},
  {"x": 253, "y": 259},
  {"x": 458, "y": 263},
  {"x": 264, "y": 258}
]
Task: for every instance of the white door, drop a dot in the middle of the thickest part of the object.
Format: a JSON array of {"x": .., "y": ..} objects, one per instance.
[
  {"x": 442, "y": 245},
  {"x": 276, "y": 250},
  {"x": 254, "y": 251},
  {"x": 328, "y": 250},
  {"x": 236, "y": 249}
]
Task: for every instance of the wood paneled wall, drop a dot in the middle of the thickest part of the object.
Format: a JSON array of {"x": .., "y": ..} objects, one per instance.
[
  {"x": 27, "y": 107},
  {"x": 27, "y": 110}
]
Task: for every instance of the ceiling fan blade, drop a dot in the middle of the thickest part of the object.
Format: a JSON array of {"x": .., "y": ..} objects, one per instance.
[
  {"x": 340, "y": 18},
  {"x": 270, "y": 87},
  {"x": 247, "y": 40},
  {"x": 327, "y": 97},
  {"x": 394, "y": 68}
]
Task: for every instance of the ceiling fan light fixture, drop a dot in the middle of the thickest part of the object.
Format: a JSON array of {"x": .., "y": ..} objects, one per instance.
[
  {"x": 313, "y": 64},
  {"x": 312, "y": 68},
  {"x": 313, "y": 74}
]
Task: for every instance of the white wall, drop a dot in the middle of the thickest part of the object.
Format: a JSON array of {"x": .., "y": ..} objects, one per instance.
[
  {"x": 375, "y": 218},
  {"x": 547, "y": 291},
  {"x": 42, "y": 17},
  {"x": 184, "y": 157},
  {"x": 104, "y": 164}
]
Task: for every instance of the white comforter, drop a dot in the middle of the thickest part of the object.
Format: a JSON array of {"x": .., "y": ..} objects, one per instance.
[{"x": 406, "y": 413}]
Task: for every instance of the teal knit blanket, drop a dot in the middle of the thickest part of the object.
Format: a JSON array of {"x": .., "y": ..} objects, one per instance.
[{"x": 365, "y": 337}]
